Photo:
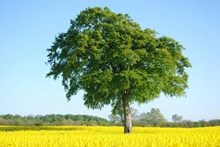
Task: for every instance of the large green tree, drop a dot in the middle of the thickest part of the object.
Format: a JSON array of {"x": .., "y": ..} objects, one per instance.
[{"x": 116, "y": 62}]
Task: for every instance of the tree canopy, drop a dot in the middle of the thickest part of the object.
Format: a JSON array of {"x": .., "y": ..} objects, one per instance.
[{"x": 116, "y": 62}]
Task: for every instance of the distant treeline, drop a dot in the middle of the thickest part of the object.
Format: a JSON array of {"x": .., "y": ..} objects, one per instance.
[
  {"x": 155, "y": 118},
  {"x": 52, "y": 119},
  {"x": 181, "y": 124},
  {"x": 152, "y": 118}
]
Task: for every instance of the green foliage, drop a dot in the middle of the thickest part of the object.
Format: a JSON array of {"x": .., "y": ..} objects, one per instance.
[
  {"x": 108, "y": 54},
  {"x": 52, "y": 119},
  {"x": 144, "y": 119}
]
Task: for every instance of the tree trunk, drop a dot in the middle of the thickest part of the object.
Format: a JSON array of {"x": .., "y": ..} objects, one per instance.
[{"x": 127, "y": 114}]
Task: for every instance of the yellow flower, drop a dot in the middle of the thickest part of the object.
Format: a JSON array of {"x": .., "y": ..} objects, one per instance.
[{"x": 82, "y": 136}]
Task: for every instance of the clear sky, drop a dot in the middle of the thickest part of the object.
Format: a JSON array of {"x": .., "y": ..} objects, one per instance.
[{"x": 28, "y": 28}]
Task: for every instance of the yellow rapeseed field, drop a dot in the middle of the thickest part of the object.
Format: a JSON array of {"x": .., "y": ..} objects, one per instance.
[{"x": 82, "y": 136}]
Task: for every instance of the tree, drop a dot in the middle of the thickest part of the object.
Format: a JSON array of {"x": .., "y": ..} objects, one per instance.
[
  {"x": 177, "y": 118},
  {"x": 153, "y": 118},
  {"x": 116, "y": 119},
  {"x": 117, "y": 115},
  {"x": 115, "y": 62}
]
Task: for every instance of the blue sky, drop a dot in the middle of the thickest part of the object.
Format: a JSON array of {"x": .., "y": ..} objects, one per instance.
[{"x": 28, "y": 28}]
